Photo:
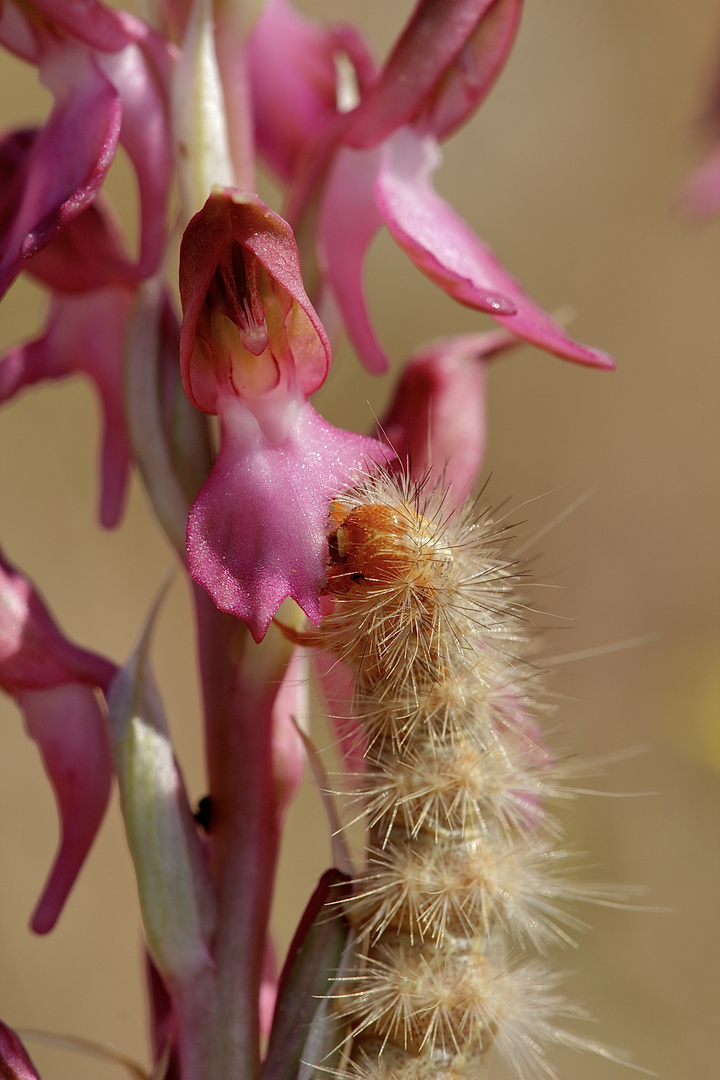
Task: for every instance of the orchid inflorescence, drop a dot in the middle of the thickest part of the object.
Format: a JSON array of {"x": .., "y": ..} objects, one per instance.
[{"x": 193, "y": 96}]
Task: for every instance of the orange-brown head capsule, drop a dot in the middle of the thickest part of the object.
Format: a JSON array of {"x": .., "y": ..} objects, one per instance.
[{"x": 381, "y": 545}]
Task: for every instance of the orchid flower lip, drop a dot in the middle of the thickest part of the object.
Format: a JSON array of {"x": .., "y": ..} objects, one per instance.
[{"x": 257, "y": 531}]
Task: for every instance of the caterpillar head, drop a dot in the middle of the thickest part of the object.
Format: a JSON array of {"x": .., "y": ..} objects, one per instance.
[{"x": 377, "y": 546}]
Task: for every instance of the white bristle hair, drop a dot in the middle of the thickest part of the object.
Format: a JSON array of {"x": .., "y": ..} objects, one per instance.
[{"x": 465, "y": 880}]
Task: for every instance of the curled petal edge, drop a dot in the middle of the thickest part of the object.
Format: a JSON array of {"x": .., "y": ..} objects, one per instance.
[{"x": 447, "y": 251}]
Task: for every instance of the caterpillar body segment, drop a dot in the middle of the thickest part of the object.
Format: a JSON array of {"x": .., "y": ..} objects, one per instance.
[{"x": 463, "y": 886}]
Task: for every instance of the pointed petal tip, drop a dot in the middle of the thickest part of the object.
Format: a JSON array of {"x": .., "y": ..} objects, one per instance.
[
  {"x": 46, "y": 914},
  {"x": 69, "y": 728},
  {"x": 229, "y": 595},
  {"x": 374, "y": 359},
  {"x": 551, "y": 338},
  {"x": 590, "y": 357},
  {"x": 605, "y": 361}
]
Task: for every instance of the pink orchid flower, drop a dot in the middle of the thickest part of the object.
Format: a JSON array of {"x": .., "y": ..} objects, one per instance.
[
  {"x": 54, "y": 684},
  {"x": 375, "y": 163},
  {"x": 252, "y": 348},
  {"x": 93, "y": 287},
  {"x": 109, "y": 74}
]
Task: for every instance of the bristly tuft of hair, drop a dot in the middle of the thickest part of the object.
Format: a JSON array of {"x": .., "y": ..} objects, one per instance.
[{"x": 465, "y": 877}]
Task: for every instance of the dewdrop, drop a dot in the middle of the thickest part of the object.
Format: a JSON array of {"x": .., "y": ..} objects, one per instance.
[{"x": 463, "y": 886}]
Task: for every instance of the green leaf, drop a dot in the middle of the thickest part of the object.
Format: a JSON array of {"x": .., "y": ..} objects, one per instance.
[
  {"x": 304, "y": 1031},
  {"x": 173, "y": 884}
]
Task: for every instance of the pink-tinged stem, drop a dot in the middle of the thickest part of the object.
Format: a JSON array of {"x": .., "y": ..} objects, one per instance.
[
  {"x": 197, "y": 1042},
  {"x": 240, "y": 681}
]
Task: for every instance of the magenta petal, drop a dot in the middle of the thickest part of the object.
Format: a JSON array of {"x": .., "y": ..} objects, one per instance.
[
  {"x": 257, "y": 530},
  {"x": 337, "y": 685},
  {"x": 290, "y": 59},
  {"x": 444, "y": 247},
  {"x": 88, "y": 20},
  {"x": 289, "y": 714},
  {"x": 86, "y": 254},
  {"x": 69, "y": 159},
  {"x": 268, "y": 989},
  {"x": 436, "y": 422},
  {"x": 700, "y": 195},
  {"x": 474, "y": 70},
  {"x": 16, "y": 151},
  {"x": 84, "y": 333},
  {"x": 138, "y": 74},
  {"x": 348, "y": 223},
  {"x": 53, "y": 682},
  {"x": 76, "y": 147},
  {"x": 430, "y": 232},
  {"x": 15, "y": 1063},
  {"x": 32, "y": 30},
  {"x": 33, "y": 652},
  {"x": 68, "y": 725},
  {"x": 444, "y": 63}
]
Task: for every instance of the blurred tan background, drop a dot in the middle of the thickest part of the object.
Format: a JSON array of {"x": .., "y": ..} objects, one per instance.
[{"x": 569, "y": 170}]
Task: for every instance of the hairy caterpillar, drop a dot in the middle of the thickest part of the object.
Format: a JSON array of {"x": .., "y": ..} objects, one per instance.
[{"x": 463, "y": 884}]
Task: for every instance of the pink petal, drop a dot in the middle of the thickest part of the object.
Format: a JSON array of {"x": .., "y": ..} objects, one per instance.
[
  {"x": 436, "y": 421},
  {"x": 14, "y": 1061},
  {"x": 33, "y": 652},
  {"x": 473, "y": 72},
  {"x": 88, "y": 20},
  {"x": 337, "y": 683},
  {"x": 32, "y": 30},
  {"x": 86, "y": 254},
  {"x": 700, "y": 196},
  {"x": 350, "y": 217},
  {"x": 84, "y": 333},
  {"x": 289, "y": 711},
  {"x": 16, "y": 150},
  {"x": 268, "y": 990},
  {"x": 69, "y": 158},
  {"x": 18, "y": 34},
  {"x": 443, "y": 246},
  {"x": 292, "y": 60},
  {"x": 257, "y": 530},
  {"x": 444, "y": 63},
  {"x": 69, "y": 727},
  {"x": 349, "y": 220},
  {"x": 140, "y": 74},
  {"x": 53, "y": 682}
]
